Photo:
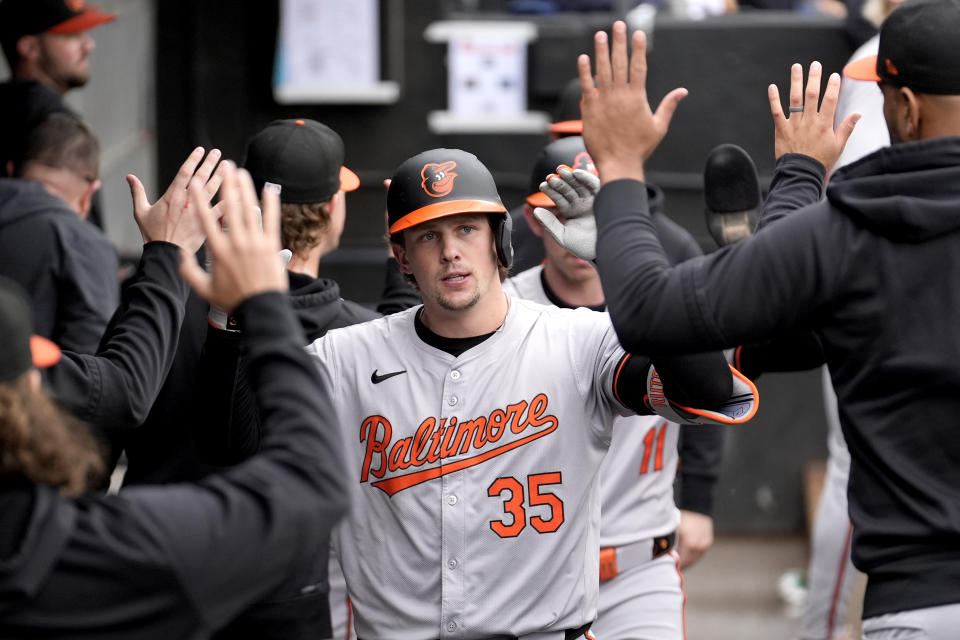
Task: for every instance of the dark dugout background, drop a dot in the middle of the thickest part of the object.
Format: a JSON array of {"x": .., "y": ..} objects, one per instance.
[{"x": 214, "y": 72}]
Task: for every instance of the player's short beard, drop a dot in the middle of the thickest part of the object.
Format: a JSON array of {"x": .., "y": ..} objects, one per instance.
[
  {"x": 447, "y": 304},
  {"x": 66, "y": 79}
]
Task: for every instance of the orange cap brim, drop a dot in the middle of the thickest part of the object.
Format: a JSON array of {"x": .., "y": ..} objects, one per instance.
[
  {"x": 540, "y": 199},
  {"x": 567, "y": 126},
  {"x": 90, "y": 18},
  {"x": 441, "y": 209},
  {"x": 348, "y": 180},
  {"x": 862, "y": 69},
  {"x": 45, "y": 353}
]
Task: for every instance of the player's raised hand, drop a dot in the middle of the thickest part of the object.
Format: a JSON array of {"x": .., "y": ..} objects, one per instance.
[
  {"x": 809, "y": 127},
  {"x": 572, "y": 191},
  {"x": 619, "y": 127},
  {"x": 245, "y": 260},
  {"x": 171, "y": 218}
]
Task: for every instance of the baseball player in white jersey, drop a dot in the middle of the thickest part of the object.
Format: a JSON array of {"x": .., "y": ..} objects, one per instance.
[
  {"x": 641, "y": 588},
  {"x": 476, "y": 428}
]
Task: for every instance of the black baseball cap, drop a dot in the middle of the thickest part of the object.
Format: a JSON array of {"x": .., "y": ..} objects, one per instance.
[
  {"x": 303, "y": 157},
  {"x": 568, "y": 151},
  {"x": 917, "y": 49},
  {"x": 30, "y": 17},
  {"x": 437, "y": 183},
  {"x": 20, "y": 349},
  {"x": 567, "y": 119}
]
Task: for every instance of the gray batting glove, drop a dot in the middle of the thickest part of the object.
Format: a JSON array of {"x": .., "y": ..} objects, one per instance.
[{"x": 572, "y": 191}]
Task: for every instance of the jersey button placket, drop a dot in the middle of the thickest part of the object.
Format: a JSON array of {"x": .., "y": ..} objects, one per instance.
[{"x": 453, "y": 527}]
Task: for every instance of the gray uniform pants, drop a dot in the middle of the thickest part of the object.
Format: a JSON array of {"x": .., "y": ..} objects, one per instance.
[{"x": 932, "y": 623}]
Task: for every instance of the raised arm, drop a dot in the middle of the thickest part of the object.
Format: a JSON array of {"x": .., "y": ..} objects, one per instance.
[
  {"x": 285, "y": 500},
  {"x": 734, "y": 296},
  {"x": 116, "y": 388}
]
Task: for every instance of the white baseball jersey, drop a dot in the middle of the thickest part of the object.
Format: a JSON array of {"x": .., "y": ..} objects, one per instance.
[
  {"x": 637, "y": 474},
  {"x": 645, "y": 600},
  {"x": 476, "y": 501}
]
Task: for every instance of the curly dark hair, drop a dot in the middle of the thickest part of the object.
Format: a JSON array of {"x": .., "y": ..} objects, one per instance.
[
  {"x": 302, "y": 225},
  {"x": 40, "y": 442}
]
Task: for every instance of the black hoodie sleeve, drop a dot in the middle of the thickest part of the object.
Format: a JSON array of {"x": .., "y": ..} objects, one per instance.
[
  {"x": 797, "y": 182},
  {"x": 701, "y": 445},
  {"x": 229, "y": 426},
  {"x": 780, "y": 278},
  {"x": 232, "y": 539},
  {"x": 116, "y": 388},
  {"x": 398, "y": 294}
]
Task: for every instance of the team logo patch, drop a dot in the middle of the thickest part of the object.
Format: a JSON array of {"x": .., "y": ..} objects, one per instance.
[
  {"x": 438, "y": 178},
  {"x": 891, "y": 68},
  {"x": 585, "y": 162}
]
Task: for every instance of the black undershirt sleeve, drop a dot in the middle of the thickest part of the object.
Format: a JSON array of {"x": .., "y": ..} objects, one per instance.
[{"x": 700, "y": 380}]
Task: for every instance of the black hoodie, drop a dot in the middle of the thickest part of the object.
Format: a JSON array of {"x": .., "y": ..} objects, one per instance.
[
  {"x": 191, "y": 432},
  {"x": 180, "y": 561},
  {"x": 66, "y": 265},
  {"x": 874, "y": 271}
]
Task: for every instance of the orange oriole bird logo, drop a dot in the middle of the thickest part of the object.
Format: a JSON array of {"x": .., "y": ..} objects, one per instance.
[
  {"x": 438, "y": 178},
  {"x": 585, "y": 162}
]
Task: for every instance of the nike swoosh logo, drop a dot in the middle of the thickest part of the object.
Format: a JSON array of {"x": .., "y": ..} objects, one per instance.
[{"x": 376, "y": 378}]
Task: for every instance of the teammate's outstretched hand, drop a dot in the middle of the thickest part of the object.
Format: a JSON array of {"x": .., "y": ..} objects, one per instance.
[
  {"x": 245, "y": 259},
  {"x": 809, "y": 127},
  {"x": 619, "y": 128},
  {"x": 572, "y": 190},
  {"x": 172, "y": 218}
]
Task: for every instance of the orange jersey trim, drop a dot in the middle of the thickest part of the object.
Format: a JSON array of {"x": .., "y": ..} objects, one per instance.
[{"x": 716, "y": 417}]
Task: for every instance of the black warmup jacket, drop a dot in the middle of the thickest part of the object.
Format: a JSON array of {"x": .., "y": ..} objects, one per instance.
[
  {"x": 114, "y": 390},
  {"x": 185, "y": 436},
  {"x": 874, "y": 272},
  {"x": 165, "y": 447},
  {"x": 67, "y": 265},
  {"x": 180, "y": 561}
]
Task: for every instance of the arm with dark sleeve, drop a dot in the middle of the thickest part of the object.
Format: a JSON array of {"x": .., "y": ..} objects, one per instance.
[
  {"x": 740, "y": 294},
  {"x": 700, "y": 446},
  {"x": 700, "y": 380},
  {"x": 117, "y": 387},
  {"x": 88, "y": 290},
  {"x": 797, "y": 182},
  {"x": 398, "y": 294},
  {"x": 229, "y": 426},
  {"x": 234, "y": 538},
  {"x": 693, "y": 380},
  {"x": 701, "y": 452}
]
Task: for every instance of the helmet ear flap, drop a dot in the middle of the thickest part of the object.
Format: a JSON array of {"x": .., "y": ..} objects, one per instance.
[{"x": 503, "y": 230}]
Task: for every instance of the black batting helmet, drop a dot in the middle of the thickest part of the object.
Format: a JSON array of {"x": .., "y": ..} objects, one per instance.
[{"x": 445, "y": 182}]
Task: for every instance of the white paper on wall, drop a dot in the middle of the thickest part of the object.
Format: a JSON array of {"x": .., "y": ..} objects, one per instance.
[
  {"x": 488, "y": 75},
  {"x": 328, "y": 42}
]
